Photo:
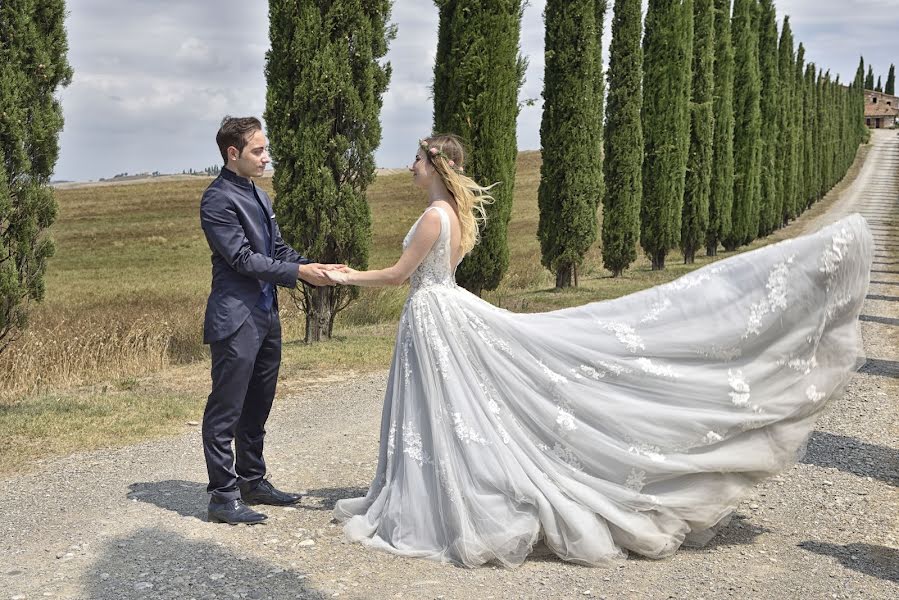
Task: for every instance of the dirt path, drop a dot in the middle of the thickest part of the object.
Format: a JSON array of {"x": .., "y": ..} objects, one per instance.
[{"x": 130, "y": 523}]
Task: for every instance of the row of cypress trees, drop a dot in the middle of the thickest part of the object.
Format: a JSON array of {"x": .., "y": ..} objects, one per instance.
[
  {"x": 714, "y": 132},
  {"x": 889, "y": 88},
  {"x": 735, "y": 134}
]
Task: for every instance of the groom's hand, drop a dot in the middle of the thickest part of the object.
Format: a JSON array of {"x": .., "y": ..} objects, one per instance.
[{"x": 314, "y": 274}]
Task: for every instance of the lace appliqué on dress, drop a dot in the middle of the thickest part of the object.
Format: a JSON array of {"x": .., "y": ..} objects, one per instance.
[
  {"x": 625, "y": 334},
  {"x": 412, "y": 446},
  {"x": 776, "y": 298},
  {"x": 466, "y": 433},
  {"x": 652, "y": 368},
  {"x": 813, "y": 394},
  {"x": 656, "y": 310},
  {"x": 636, "y": 480},
  {"x": 653, "y": 453}
]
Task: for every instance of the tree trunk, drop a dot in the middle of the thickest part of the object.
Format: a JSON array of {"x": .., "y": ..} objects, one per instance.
[
  {"x": 476, "y": 290},
  {"x": 711, "y": 250},
  {"x": 318, "y": 317},
  {"x": 689, "y": 256},
  {"x": 563, "y": 276},
  {"x": 658, "y": 260}
]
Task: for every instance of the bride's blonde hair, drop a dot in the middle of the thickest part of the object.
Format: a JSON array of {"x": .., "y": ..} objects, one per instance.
[{"x": 446, "y": 153}]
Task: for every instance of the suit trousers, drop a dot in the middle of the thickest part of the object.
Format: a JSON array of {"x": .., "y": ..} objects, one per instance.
[{"x": 244, "y": 375}]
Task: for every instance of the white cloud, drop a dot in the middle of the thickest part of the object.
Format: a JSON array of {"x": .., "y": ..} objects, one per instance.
[{"x": 154, "y": 77}]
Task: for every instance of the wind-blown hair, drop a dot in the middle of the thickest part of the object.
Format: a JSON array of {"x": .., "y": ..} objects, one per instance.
[{"x": 470, "y": 197}]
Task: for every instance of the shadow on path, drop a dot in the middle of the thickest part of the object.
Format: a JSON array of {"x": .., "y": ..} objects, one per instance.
[
  {"x": 737, "y": 530},
  {"x": 883, "y": 368},
  {"x": 187, "y": 498},
  {"x": 151, "y": 563},
  {"x": 329, "y": 496},
  {"x": 882, "y": 320},
  {"x": 877, "y": 561},
  {"x": 853, "y": 456},
  {"x": 882, "y": 297}
]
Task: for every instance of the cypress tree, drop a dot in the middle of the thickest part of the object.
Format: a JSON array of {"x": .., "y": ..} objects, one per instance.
[
  {"x": 667, "y": 56},
  {"x": 325, "y": 89},
  {"x": 833, "y": 116},
  {"x": 33, "y": 66},
  {"x": 722, "y": 189},
  {"x": 890, "y": 87},
  {"x": 820, "y": 133},
  {"x": 811, "y": 112},
  {"x": 770, "y": 103},
  {"x": 570, "y": 135},
  {"x": 878, "y": 87},
  {"x": 802, "y": 102},
  {"x": 695, "y": 220},
  {"x": 477, "y": 75},
  {"x": 869, "y": 80},
  {"x": 859, "y": 84},
  {"x": 747, "y": 124},
  {"x": 623, "y": 140},
  {"x": 786, "y": 141},
  {"x": 796, "y": 202},
  {"x": 859, "y": 97}
]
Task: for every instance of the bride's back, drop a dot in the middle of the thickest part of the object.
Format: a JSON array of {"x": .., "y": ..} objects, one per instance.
[{"x": 439, "y": 266}]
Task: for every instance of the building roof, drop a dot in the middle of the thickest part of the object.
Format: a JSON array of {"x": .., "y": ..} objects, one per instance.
[{"x": 881, "y": 110}]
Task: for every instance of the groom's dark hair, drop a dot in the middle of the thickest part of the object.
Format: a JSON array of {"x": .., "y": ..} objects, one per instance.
[{"x": 234, "y": 131}]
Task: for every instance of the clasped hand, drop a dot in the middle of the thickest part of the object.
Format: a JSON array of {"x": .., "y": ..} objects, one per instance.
[
  {"x": 340, "y": 276},
  {"x": 317, "y": 273}
]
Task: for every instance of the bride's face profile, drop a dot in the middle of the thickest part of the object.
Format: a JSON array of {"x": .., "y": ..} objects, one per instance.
[{"x": 421, "y": 169}]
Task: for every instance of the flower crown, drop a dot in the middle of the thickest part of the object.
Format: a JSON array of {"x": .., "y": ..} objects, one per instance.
[{"x": 434, "y": 151}]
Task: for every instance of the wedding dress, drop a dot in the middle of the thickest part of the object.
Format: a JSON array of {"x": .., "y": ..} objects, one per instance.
[{"x": 633, "y": 424}]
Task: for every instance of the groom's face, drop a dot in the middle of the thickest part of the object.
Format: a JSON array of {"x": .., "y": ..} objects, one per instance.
[{"x": 252, "y": 161}]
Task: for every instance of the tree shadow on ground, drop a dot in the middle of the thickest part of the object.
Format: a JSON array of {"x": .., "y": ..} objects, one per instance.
[
  {"x": 882, "y": 297},
  {"x": 876, "y": 319},
  {"x": 328, "y": 497},
  {"x": 877, "y": 561},
  {"x": 736, "y": 530},
  {"x": 152, "y": 563},
  {"x": 853, "y": 456},
  {"x": 880, "y": 367},
  {"x": 187, "y": 498}
]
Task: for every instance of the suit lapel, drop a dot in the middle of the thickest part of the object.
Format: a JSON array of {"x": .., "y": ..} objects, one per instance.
[{"x": 269, "y": 218}]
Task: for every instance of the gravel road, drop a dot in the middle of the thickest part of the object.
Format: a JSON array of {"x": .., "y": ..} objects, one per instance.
[{"x": 130, "y": 522}]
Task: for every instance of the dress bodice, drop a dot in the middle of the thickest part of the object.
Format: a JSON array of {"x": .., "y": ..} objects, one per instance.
[{"x": 435, "y": 269}]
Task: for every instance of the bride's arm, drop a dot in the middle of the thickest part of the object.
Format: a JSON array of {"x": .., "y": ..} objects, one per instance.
[{"x": 426, "y": 233}]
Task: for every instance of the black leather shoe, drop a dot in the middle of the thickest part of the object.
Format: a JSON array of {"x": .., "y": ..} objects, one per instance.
[
  {"x": 233, "y": 512},
  {"x": 266, "y": 493}
]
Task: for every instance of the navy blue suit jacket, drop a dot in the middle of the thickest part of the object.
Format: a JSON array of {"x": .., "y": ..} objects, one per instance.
[{"x": 241, "y": 264}]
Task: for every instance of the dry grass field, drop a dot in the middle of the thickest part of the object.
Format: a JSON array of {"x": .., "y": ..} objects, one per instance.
[{"x": 114, "y": 353}]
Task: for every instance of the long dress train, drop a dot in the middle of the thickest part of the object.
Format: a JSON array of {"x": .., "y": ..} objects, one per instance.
[{"x": 631, "y": 424}]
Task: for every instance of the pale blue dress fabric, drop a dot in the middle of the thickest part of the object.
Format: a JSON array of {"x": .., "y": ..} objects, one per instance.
[{"x": 632, "y": 424}]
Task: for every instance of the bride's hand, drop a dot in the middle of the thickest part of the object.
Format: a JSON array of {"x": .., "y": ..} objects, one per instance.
[{"x": 341, "y": 276}]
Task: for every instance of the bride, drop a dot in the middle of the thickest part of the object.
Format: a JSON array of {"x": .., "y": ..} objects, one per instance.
[{"x": 633, "y": 424}]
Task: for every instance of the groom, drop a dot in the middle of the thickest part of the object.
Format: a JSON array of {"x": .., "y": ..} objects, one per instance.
[{"x": 242, "y": 328}]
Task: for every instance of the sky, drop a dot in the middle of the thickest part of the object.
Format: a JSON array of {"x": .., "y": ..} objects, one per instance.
[{"x": 153, "y": 78}]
